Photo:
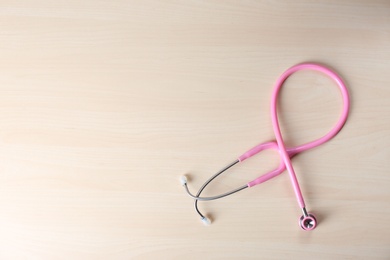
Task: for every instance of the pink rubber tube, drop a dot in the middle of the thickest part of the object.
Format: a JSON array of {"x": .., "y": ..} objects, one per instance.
[
  {"x": 284, "y": 152},
  {"x": 291, "y": 151}
]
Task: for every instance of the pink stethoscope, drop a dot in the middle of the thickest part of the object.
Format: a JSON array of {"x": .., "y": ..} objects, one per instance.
[{"x": 307, "y": 221}]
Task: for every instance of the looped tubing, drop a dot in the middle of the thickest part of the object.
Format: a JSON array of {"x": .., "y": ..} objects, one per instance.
[{"x": 285, "y": 152}]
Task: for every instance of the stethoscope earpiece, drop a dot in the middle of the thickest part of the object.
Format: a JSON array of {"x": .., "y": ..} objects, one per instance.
[
  {"x": 206, "y": 221},
  {"x": 307, "y": 221},
  {"x": 183, "y": 180}
]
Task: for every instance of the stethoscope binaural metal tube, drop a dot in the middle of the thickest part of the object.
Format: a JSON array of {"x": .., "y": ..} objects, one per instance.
[
  {"x": 197, "y": 198},
  {"x": 307, "y": 221}
]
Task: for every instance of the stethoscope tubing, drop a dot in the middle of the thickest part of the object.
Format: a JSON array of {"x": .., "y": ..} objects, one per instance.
[{"x": 275, "y": 123}]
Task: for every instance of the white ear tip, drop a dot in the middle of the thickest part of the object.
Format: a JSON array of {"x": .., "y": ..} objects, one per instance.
[
  {"x": 206, "y": 221},
  {"x": 183, "y": 180}
]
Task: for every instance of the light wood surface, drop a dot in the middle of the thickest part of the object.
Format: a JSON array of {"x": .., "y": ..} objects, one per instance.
[{"x": 104, "y": 104}]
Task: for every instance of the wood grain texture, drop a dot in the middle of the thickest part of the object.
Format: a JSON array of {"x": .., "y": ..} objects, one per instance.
[{"x": 104, "y": 104}]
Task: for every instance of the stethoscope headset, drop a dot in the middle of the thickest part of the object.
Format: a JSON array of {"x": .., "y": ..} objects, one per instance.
[{"x": 307, "y": 221}]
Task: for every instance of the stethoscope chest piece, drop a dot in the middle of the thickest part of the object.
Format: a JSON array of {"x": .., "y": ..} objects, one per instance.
[{"x": 308, "y": 222}]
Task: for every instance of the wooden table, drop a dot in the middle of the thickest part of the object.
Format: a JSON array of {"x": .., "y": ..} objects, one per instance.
[{"x": 105, "y": 104}]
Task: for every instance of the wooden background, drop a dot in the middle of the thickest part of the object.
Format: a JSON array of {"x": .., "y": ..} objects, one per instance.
[{"x": 104, "y": 104}]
